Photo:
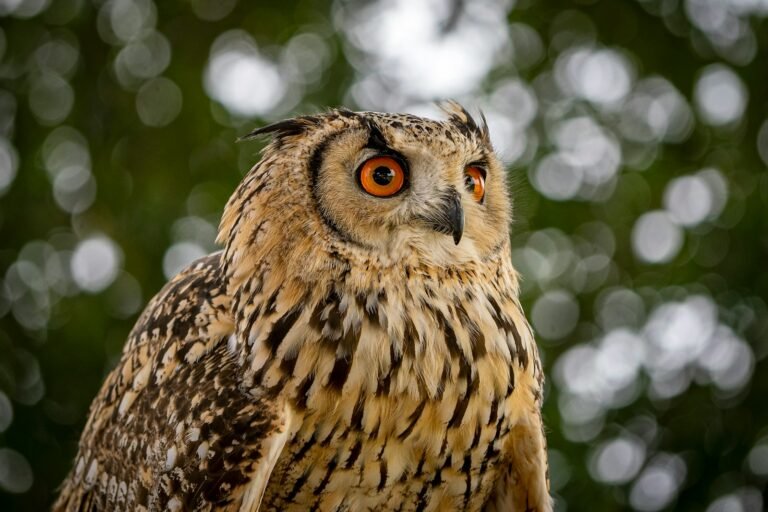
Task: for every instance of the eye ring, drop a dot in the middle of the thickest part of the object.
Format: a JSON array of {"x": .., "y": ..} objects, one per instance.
[
  {"x": 381, "y": 176},
  {"x": 474, "y": 181}
]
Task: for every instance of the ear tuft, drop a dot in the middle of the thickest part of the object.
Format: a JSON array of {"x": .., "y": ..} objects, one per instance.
[
  {"x": 460, "y": 117},
  {"x": 285, "y": 128}
]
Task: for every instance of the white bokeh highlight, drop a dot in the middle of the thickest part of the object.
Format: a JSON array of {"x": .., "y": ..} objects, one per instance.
[
  {"x": 15, "y": 472},
  {"x": 404, "y": 40},
  {"x": 762, "y": 142},
  {"x": 9, "y": 164},
  {"x": 720, "y": 96},
  {"x": 158, "y": 102},
  {"x": 688, "y": 200},
  {"x": 555, "y": 314},
  {"x": 658, "y": 484},
  {"x": 241, "y": 78},
  {"x": 95, "y": 263},
  {"x": 656, "y": 238},
  {"x": 745, "y": 499},
  {"x": 599, "y": 75},
  {"x": 757, "y": 459},
  {"x": 6, "y": 412},
  {"x": 618, "y": 460}
]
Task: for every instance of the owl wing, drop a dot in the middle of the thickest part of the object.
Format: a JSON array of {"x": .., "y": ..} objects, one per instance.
[
  {"x": 171, "y": 427},
  {"x": 523, "y": 484}
]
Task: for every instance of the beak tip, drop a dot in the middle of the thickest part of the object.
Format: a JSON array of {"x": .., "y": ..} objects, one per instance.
[{"x": 449, "y": 220}]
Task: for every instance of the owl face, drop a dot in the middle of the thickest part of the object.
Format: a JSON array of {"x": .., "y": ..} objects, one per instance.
[{"x": 401, "y": 187}]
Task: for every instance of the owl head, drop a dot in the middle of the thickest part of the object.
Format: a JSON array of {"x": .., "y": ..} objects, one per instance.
[{"x": 389, "y": 188}]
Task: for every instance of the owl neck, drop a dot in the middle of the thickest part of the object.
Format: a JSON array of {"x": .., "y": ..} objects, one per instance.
[{"x": 386, "y": 330}]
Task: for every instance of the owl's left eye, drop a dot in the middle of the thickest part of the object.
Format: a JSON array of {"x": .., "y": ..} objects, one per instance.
[
  {"x": 381, "y": 176},
  {"x": 474, "y": 181}
]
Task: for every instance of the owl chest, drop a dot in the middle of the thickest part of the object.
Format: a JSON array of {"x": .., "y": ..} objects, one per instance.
[
  {"x": 392, "y": 411},
  {"x": 400, "y": 454}
]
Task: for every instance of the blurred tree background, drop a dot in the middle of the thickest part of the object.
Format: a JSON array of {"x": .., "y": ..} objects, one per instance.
[{"x": 636, "y": 137}]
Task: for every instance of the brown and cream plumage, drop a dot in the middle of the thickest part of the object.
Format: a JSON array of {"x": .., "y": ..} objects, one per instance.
[{"x": 348, "y": 350}]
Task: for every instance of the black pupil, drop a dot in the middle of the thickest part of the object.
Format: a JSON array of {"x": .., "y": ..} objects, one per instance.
[
  {"x": 383, "y": 175},
  {"x": 470, "y": 183}
]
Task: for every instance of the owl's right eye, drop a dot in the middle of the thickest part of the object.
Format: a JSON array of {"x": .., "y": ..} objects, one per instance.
[{"x": 381, "y": 176}]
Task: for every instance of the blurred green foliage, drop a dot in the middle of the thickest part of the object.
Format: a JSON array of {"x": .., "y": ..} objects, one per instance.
[{"x": 637, "y": 140}]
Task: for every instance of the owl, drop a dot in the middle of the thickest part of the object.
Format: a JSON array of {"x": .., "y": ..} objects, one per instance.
[{"x": 358, "y": 344}]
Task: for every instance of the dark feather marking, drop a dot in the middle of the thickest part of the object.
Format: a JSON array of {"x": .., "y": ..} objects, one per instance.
[
  {"x": 302, "y": 452},
  {"x": 302, "y": 391},
  {"x": 288, "y": 364},
  {"x": 327, "y": 478},
  {"x": 438, "y": 478},
  {"x": 270, "y": 304},
  {"x": 334, "y": 322},
  {"x": 371, "y": 310},
  {"x": 503, "y": 321},
  {"x": 348, "y": 344},
  {"x": 376, "y": 139},
  {"x": 356, "y": 421},
  {"x": 494, "y": 412},
  {"x": 473, "y": 386},
  {"x": 375, "y": 432},
  {"x": 383, "y": 385},
  {"x": 478, "y": 344},
  {"x": 315, "y": 320},
  {"x": 466, "y": 468},
  {"x": 297, "y": 485},
  {"x": 245, "y": 201},
  {"x": 444, "y": 445},
  {"x": 459, "y": 410},
  {"x": 511, "y": 384},
  {"x": 395, "y": 359},
  {"x": 522, "y": 354},
  {"x": 382, "y": 474},
  {"x": 476, "y": 336},
  {"x": 354, "y": 453},
  {"x": 255, "y": 231},
  {"x": 465, "y": 374},
  {"x": 497, "y": 315},
  {"x": 445, "y": 377},
  {"x": 449, "y": 335},
  {"x": 326, "y": 441},
  {"x": 412, "y": 420},
  {"x": 476, "y": 437},
  {"x": 410, "y": 339},
  {"x": 328, "y": 308},
  {"x": 421, "y": 503},
  {"x": 281, "y": 328},
  {"x": 339, "y": 373},
  {"x": 420, "y": 465},
  {"x": 315, "y": 163},
  {"x": 492, "y": 453}
]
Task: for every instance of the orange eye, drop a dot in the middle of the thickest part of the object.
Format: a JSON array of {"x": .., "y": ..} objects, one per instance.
[
  {"x": 474, "y": 180},
  {"x": 381, "y": 176}
]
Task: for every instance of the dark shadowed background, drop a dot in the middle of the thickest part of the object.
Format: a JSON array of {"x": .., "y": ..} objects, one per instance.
[{"x": 636, "y": 140}]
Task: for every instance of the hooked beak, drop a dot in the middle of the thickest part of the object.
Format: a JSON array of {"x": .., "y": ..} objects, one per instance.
[{"x": 449, "y": 219}]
